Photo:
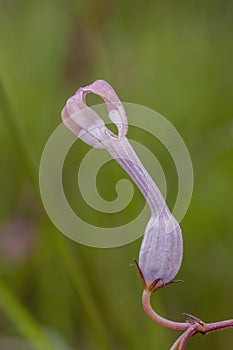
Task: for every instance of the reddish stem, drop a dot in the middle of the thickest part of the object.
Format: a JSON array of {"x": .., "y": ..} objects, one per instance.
[
  {"x": 183, "y": 339},
  {"x": 191, "y": 327},
  {"x": 182, "y": 326},
  {"x": 216, "y": 326}
]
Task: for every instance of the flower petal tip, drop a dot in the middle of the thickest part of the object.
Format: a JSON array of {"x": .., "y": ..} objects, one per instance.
[{"x": 80, "y": 118}]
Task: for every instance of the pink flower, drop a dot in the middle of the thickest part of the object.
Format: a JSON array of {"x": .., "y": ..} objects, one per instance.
[{"x": 162, "y": 247}]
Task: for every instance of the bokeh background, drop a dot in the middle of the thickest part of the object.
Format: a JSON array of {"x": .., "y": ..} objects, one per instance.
[{"x": 173, "y": 56}]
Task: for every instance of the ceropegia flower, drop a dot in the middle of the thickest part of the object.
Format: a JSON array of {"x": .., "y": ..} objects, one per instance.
[{"x": 161, "y": 250}]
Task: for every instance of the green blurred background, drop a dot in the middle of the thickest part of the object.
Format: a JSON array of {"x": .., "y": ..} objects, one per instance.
[{"x": 173, "y": 56}]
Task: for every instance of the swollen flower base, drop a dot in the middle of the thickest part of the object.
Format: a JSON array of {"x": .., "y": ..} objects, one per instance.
[{"x": 161, "y": 251}]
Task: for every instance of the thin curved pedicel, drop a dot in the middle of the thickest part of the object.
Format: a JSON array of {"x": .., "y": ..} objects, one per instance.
[{"x": 162, "y": 247}]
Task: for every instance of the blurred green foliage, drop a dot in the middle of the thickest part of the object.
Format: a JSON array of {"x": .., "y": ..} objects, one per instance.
[{"x": 175, "y": 57}]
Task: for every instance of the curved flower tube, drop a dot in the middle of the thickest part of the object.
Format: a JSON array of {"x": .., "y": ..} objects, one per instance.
[{"x": 162, "y": 248}]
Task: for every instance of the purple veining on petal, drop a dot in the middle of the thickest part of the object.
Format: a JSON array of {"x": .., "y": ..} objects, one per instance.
[
  {"x": 84, "y": 122},
  {"x": 69, "y": 123},
  {"x": 114, "y": 106},
  {"x": 124, "y": 154},
  {"x": 162, "y": 246}
]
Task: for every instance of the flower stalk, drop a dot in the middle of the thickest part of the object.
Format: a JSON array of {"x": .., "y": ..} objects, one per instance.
[{"x": 192, "y": 326}]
